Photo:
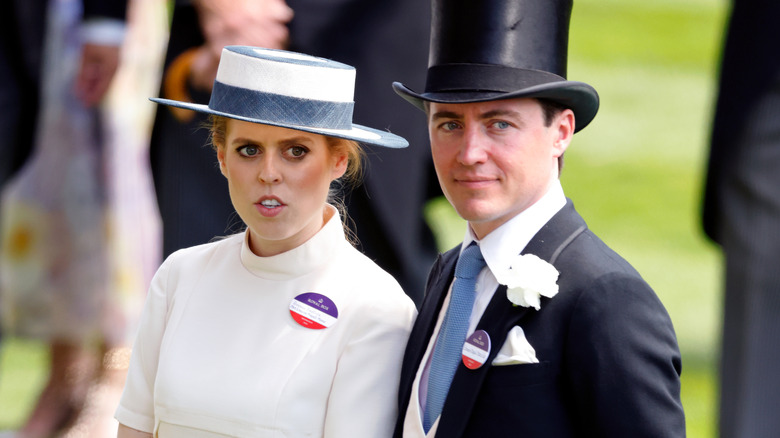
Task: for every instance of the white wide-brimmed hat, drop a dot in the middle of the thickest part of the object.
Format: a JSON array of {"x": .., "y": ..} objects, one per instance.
[{"x": 290, "y": 90}]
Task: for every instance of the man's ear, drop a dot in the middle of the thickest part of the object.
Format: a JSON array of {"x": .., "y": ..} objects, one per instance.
[{"x": 564, "y": 126}]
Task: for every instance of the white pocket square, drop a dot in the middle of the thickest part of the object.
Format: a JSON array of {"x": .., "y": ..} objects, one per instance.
[{"x": 516, "y": 349}]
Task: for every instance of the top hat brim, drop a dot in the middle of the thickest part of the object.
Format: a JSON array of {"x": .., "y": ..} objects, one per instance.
[
  {"x": 359, "y": 133},
  {"x": 580, "y": 97}
]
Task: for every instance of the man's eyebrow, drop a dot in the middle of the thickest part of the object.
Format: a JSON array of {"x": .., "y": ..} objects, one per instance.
[
  {"x": 500, "y": 113},
  {"x": 490, "y": 114},
  {"x": 446, "y": 115}
]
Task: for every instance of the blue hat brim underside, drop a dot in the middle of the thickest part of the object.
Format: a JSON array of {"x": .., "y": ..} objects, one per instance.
[{"x": 359, "y": 133}]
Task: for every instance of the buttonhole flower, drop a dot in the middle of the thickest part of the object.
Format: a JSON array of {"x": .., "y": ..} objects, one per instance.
[{"x": 527, "y": 279}]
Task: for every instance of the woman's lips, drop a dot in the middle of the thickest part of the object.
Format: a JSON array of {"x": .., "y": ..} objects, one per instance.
[{"x": 269, "y": 206}]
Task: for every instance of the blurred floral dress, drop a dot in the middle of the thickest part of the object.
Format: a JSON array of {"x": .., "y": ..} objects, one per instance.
[{"x": 80, "y": 232}]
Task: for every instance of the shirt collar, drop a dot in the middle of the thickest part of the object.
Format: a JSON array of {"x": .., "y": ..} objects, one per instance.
[{"x": 509, "y": 239}]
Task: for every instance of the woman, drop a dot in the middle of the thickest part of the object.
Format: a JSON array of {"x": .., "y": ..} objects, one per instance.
[{"x": 285, "y": 329}]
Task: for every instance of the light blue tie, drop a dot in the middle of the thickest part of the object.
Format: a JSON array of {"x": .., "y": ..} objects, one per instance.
[{"x": 452, "y": 335}]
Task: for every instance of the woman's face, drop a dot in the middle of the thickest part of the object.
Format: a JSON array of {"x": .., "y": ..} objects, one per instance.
[{"x": 279, "y": 180}]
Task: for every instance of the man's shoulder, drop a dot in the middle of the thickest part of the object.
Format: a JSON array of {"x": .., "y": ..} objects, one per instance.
[
  {"x": 591, "y": 254},
  {"x": 576, "y": 251}
]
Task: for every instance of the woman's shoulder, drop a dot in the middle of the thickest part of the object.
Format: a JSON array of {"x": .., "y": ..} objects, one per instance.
[
  {"x": 369, "y": 280},
  {"x": 361, "y": 268},
  {"x": 195, "y": 255}
]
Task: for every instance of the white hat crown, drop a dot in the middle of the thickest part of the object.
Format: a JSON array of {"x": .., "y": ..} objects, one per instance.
[{"x": 288, "y": 89}]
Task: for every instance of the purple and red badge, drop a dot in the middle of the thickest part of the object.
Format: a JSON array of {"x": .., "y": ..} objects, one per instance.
[
  {"x": 476, "y": 349},
  {"x": 314, "y": 311}
]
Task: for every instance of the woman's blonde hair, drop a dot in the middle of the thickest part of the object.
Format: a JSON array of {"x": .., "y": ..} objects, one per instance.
[{"x": 217, "y": 126}]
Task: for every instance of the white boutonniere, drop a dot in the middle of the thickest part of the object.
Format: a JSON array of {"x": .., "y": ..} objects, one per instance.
[{"x": 527, "y": 279}]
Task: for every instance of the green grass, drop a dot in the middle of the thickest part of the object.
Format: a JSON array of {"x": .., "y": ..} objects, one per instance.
[
  {"x": 22, "y": 375},
  {"x": 635, "y": 174}
]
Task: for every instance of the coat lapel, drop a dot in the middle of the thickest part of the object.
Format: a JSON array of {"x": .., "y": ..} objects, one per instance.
[
  {"x": 499, "y": 317},
  {"x": 436, "y": 290},
  {"x": 429, "y": 311},
  {"x": 497, "y": 320}
]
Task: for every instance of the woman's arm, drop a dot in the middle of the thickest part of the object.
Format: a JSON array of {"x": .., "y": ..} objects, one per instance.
[
  {"x": 126, "y": 432},
  {"x": 364, "y": 394}
]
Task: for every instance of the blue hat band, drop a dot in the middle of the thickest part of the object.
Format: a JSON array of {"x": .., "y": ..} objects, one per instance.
[{"x": 279, "y": 109}]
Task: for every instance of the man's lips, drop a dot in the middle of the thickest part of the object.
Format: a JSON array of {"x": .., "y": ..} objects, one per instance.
[{"x": 474, "y": 181}]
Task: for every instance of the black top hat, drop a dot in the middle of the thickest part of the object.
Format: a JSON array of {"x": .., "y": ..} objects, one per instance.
[{"x": 498, "y": 49}]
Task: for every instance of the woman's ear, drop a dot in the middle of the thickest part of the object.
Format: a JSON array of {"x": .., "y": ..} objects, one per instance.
[
  {"x": 340, "y": 163},
  {"x": 221, "y": 158}
]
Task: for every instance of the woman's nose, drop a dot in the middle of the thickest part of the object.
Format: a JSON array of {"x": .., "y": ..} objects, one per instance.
[{"x": 269, "y": 171}]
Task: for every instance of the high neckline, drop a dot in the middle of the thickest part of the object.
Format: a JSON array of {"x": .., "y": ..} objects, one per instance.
[{"x": 301, "y": 260}]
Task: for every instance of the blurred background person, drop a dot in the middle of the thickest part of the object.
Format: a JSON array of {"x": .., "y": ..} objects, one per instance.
[
  {"x": 742, "y": 214},
  {"x": 385, "y": 40},
  {"x": 79, "y": 226},
  {"x": 21, "y": 44}
]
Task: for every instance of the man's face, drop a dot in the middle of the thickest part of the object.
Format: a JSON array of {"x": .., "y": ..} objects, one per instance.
[{"x": 495, "y": 159}]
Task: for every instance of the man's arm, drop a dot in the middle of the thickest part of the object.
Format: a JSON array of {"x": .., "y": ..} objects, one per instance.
[
  {"x": 625, "y": 364},
  {"x": 260, "y": 23}
]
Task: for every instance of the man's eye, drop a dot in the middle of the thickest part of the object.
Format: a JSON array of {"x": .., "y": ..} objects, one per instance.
[
  {"x": 449, "y": 126},
  {"x": 501, "y": 125},
  {"x": 249, "y": 150}
]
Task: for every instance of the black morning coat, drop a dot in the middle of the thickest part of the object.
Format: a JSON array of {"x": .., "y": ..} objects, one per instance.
[{"x": 609, "y": 365}]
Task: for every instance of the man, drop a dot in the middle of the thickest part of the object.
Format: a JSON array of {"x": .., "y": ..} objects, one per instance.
[
  {"x": 741, "y": 213},
  {"x": 567, "y": 339}
]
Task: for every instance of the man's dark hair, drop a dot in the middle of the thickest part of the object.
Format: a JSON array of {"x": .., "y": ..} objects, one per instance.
[{"x": 550, "y": 109}]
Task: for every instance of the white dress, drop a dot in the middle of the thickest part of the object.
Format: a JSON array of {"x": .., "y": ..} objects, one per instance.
[{"x": 220, "y": 354}]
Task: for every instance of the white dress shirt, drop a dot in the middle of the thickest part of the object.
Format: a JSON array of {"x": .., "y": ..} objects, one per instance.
[{"x": 498, "y": 248}]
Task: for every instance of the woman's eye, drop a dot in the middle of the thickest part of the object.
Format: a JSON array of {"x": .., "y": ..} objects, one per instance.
[
  {"x": 249, "y": 150},
  {"x": 297, "y": 151}
]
